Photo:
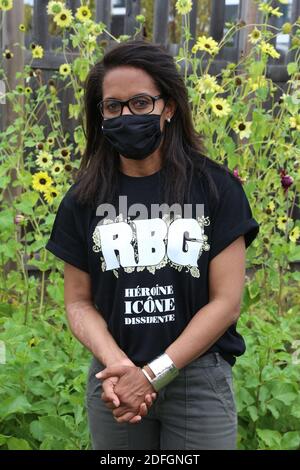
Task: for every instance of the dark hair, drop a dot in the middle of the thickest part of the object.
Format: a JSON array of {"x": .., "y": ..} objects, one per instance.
[{"x": 182, "y": 147}]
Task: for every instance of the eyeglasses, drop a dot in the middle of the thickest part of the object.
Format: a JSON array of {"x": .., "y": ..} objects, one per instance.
[{"x": 138, "y": 104}]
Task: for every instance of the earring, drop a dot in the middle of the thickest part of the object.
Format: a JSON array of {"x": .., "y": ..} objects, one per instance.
[{"x": 169, "y": 119}]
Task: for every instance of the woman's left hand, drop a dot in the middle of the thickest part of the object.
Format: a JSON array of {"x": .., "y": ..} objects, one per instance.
[{"x": 131, "y": 388}]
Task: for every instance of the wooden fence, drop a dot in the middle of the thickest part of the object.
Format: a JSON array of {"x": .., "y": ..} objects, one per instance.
[{"x": 247, "y": 12}]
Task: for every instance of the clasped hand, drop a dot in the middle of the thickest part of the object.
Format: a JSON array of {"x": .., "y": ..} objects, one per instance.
[{"x": 127, "y": 392}]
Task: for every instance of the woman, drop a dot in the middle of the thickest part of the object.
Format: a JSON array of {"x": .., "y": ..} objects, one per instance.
[{"x": 153, "y": 234}]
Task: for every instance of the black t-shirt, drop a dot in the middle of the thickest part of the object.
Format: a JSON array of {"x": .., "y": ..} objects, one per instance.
[{"x": 150, "y": 276}]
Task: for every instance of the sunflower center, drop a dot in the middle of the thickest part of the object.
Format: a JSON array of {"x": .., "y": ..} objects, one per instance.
[
  {"x": 207, "y": 45},
  {"x": 42, "y": 181},
  {"x": 219, "y": 107},
  {"x": 242, "y": 127},
  {"x": 63, "y": 16}
]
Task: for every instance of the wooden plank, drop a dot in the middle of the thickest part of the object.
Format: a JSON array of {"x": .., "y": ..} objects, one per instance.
[
  {"x": 248, "y": 13},
  {"x": 12, "y": 36},
  {"x": 103, "y": 13},
  {"x": 133, "y": 8},
  {"x": 73, "y": 4},
  {"x": 217, "y": 19},
  {"x": 295, "y": 13},
  {"x": 193, "y": 24},
  {"x": 160, "y": 22},
  {"x": 40, "y": 24},
  {"x": 51, "y": 60}
]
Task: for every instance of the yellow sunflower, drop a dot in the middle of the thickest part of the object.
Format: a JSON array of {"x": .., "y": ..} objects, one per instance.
[
  {"x": 268, "y": 49},
  {"x": 37, "y": 51},
  {"x": 41, "y": 181},
  {"x": 270, "y": 207},
  {"x": 64, "y": 18},
  {"x": 57, "y": 168},
  {"x": 79, "y": 92},
  {"x": 91, "y": 42},
  {"x": 286, "y": 28},
  {"x": 22, "y": 27},
  {"x": 83, "y": 13},
  {"x": 50, "y": 141},
  {"x": 294, "y": 234},
  {"x": 259, "y": 82},
  {"x": 65, "y": 152},
  {"x": 65, "y": 70},
  {"x": 276, "y": 12},
  {"x": 295, "y": 122},
  {"x": 28, "y": 90},
  {"x": 33, "y": 342},
  {"x": 68, "y": 167},
  {"x": 282, "y": 221},
  {"x": 6, "y": 5},
  {"x": 254, "y": 36},
  {"x": 183, "y": 7},
  {"x": 54, "y": 7},
  {"x": 220, "y": 107},
  {"x": 44, "y": 159},
  {"x": 267, "y": 9},
  {"x": 208, "y": 84},
  {"x": 8, "y": 54},
  {"x": 97, "y": 28},
  {"x": 50, "y": 194},
  {"x": 206, "y": 44},
  {"x": 243, "y": 129}
]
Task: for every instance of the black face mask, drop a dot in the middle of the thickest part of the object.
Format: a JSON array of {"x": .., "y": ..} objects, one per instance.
[{"x": 133, "y": 136}]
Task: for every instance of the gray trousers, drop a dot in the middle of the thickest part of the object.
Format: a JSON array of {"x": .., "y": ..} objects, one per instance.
[{"x": 195, "y": 411}]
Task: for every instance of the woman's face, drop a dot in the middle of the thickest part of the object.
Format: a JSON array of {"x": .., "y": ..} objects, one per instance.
[{"x": 124, "y": 82}]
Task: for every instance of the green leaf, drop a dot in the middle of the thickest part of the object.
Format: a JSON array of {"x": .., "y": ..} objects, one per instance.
[
  {"x": 270, "y": 438},
  {"x": 13, "y": 405},
  {"x": 295, "y": 410},
  {"x": 294, "y": 254},
  {"x": 3, "y": 439},
  {"x": 54, "y": 426},
  {"x": 17, "y": 444},
  {"x": 286, "y": 398},
  {"x": 292, "y": 67},
  {"x": 36, "y": 429},
  {"x": 273, "y": 410},
  {"x": 254, "y": 289},
  {"x": 81, "y": 67},
  {"x": 290, "y": 440},
  {"x": 253, "y": 413},
  {"x": 256, "y": 69},
  {"x": 28, "y": 201}
]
